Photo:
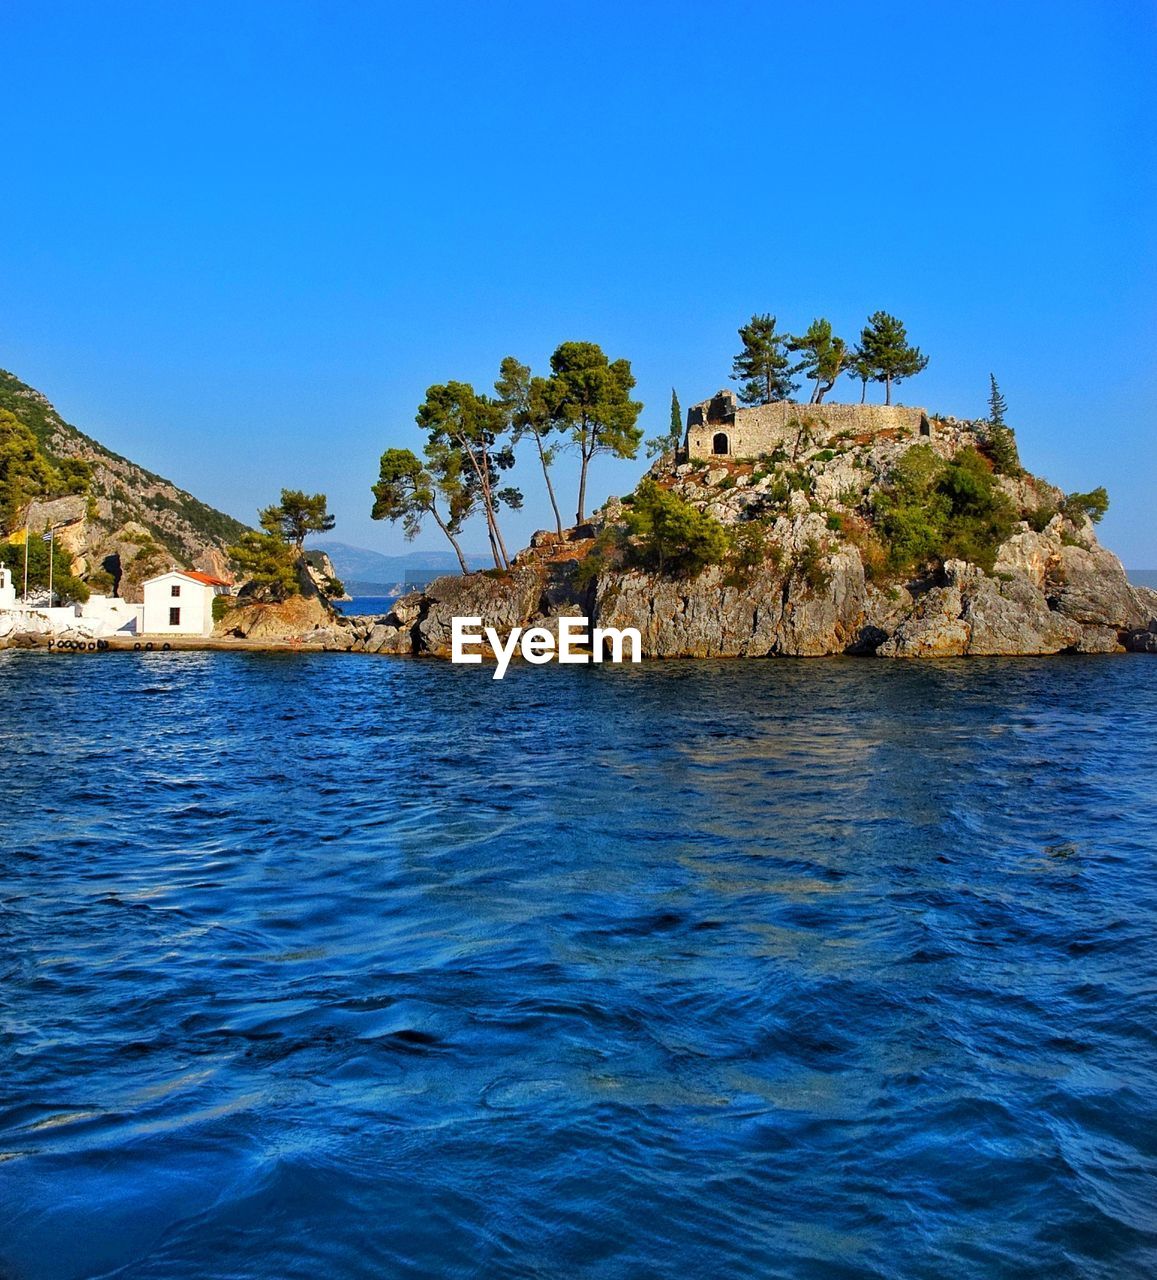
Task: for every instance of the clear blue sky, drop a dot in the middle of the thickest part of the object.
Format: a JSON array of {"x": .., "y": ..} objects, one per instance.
[{"x": 238, "y": 241}]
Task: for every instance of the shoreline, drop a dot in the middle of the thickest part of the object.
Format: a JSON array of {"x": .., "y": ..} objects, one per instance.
[{"x": 234, "y": 644}]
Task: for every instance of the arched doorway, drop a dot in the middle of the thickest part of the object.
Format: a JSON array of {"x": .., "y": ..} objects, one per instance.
[{"x": 719, "y": 444}]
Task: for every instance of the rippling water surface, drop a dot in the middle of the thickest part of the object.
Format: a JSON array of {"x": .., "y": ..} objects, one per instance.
[{"x": 329, "y": 966}]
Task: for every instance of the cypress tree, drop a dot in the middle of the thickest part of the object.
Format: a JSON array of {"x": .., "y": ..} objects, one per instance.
[
  {"x": 997, "y": 404},
  {"x": 1000, "y": 440}
]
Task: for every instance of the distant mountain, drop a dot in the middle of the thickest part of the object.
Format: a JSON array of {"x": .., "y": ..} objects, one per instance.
[
  {"x": 365, "y": 568},
  {"x": 126, "y": 509}
]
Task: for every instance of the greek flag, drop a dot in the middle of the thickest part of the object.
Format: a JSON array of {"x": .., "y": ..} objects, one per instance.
[{"x": 46, "y": 537}]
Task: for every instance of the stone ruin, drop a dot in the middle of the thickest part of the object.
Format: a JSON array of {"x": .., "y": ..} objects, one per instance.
[{"x": 722, "y": 428}]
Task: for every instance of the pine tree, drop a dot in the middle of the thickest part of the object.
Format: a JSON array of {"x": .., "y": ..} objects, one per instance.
[
  {"x": 859, "y": 369},
  {"x": 884, "y": 347},
  {"x": 763, "y": 366},
  {"x": 1000, "y": 440},
  {"x": 296, "y": 516},
  {"x": 455, "y": 416},
  {"x": 526, "y": 402},
  {"x": 591, "y": 398},
  {"x": 408, "y": 491},
  {"x": 824, "y": 357}
]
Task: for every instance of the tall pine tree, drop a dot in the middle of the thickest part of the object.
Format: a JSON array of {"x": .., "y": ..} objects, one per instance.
[
  {"x": 590, "y": 397},
  {"x": 824, "y": 357},
  {"x": 884, "y": 347},
  {"x": 763, "y": 366},
  {"x": 526, "y": 402}
]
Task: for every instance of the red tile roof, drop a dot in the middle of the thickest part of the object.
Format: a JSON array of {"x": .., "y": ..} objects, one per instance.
[{"x": 203, "y": 577}]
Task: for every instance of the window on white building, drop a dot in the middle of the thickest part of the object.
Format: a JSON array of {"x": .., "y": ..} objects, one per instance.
[{"x": 174, "y": 617}]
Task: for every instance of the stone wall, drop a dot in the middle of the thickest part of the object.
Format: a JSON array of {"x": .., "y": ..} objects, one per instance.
[{"x": 719, "y": 427}]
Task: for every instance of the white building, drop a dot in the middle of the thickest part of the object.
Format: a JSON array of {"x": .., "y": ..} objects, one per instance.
[
  {"x": 111, "y": 615},
  {"x": 99, "y": 616},
  {"x": 180, "y": 603}
]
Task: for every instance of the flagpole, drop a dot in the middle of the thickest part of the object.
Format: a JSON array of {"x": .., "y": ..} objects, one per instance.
[
  {"x": 51, "y": 544},
  {"x": 26, "y": 536}
]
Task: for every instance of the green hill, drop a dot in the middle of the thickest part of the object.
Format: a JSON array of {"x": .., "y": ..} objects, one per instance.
[{"x": 124, "y": 502}]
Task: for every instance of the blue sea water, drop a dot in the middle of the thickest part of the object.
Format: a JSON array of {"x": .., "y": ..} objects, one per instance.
[
  {"x": 366, "y": 605},
  {"x": 336, "y": 966}
]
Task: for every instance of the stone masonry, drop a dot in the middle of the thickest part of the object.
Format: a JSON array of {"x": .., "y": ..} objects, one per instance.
[{"x": 719, "y": 427}]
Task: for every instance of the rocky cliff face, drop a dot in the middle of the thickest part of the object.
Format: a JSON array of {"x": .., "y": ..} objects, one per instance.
[
  {"x": 819, "y": 584},
  {"x": 130, "y": 517}
]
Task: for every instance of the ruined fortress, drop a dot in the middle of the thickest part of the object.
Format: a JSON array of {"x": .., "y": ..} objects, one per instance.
[{"x": 719, "y": 427}]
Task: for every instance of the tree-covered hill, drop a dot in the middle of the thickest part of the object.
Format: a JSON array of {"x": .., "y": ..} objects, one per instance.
[{"x": 123, "y": 500}]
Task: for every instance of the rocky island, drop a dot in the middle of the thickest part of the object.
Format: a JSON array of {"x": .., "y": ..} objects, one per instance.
[
  {"x": 833, "y": 529},
  {"x": 765, "y": 527}
]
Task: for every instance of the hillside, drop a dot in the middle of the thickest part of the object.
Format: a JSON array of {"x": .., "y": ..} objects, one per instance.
[{"x": 129, "y": 520}]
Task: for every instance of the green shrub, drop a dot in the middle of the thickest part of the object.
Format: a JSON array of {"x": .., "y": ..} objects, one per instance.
[
  {"x": 221, "y": 606},
  {"x": 268, "y": 562},
  {"x": 835, "y": 521},
  {"x": 1000, "y": 445},
  {"x": 935, "y": 511},
  {"x": 1039, "y": 517},
  {"x": 1094, "y": 505},
  {"x": 824, "y": 455},
  {"x": 75, "y": 475},
  {"x": 751, "y": 549},
  {"x": 671, "y": 536},
  {"x": 606, "y": 552},
  {"x": 66, "y": 588},
  {"x": 811, "y": 565}
]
